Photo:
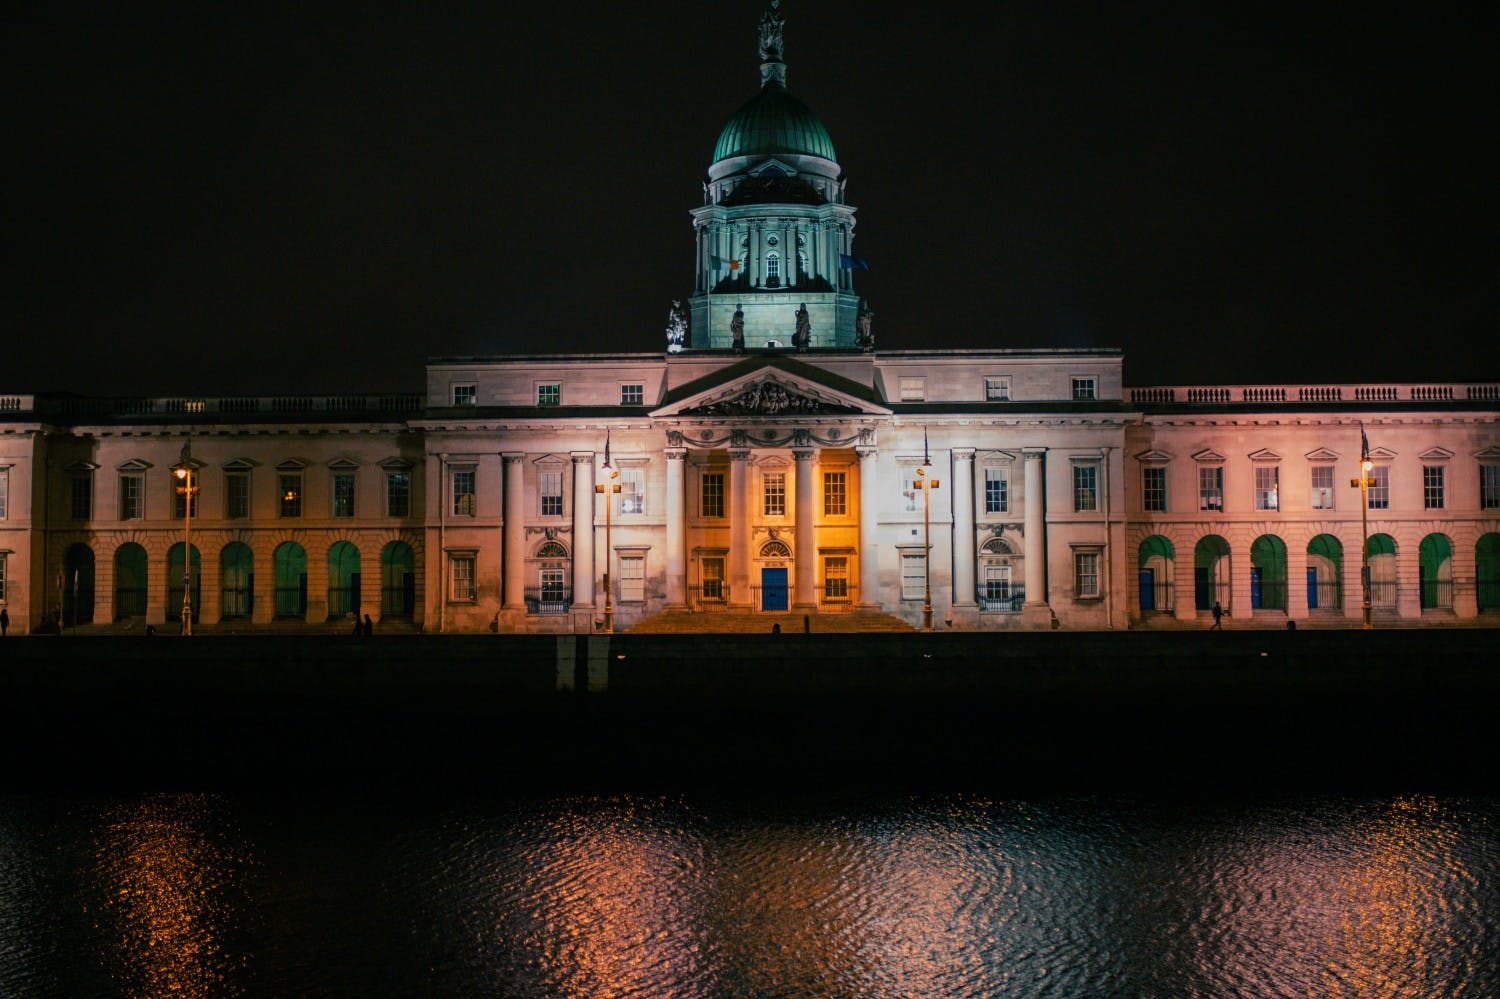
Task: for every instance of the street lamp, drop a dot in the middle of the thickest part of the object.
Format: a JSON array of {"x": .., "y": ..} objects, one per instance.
[
  {"x": 1364, "y": 482},
  {"x": 927, "y": 485},
  {"x": 185, "y": 473},
  {"x": 608, "y": 489}
]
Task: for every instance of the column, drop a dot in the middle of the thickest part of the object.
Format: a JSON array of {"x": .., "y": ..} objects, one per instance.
[
  {"x": 963, "y": 527},
  {"x": 676, "y": 527},
  {"x": 583, "y": 528},
  {"x": 739, "y": 527},
  {"x": 869, "y": 505},
  {"x": 1036, "y": 530},
  {"x": 514, "y": 586},
  {"x": 807, "y": 545}
]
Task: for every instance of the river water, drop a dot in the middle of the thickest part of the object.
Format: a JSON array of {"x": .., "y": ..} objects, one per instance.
[{"x": 756, "y": 895}]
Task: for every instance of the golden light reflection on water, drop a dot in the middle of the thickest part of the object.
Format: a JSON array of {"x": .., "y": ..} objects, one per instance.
[{"x": 165, "y": 882}]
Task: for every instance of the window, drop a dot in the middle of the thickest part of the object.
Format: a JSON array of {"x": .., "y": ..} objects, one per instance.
[
  {"x": 773, "y": 269},
  {"x": 549, "y": 394},
  {"x": 553, "y": 590},
  {"x": 997, "y": 389},
  {"x": 909, "y": 488},
  {"x": 1211, "y": 488},
  {"x": 1322, "y": 487},
  {"x": 1379, "y": 494},
  {"x": 80, "y": 496},
  {"x": 713, "y": 495},
  {"x": 1083, "y": 388},
  {"x": 632, "y": 395},
  {"x": 343, "y": 494},
  {"x": 996, "y": 490},
  {"x": 836, "y": 578},
  {"x": 913, "y": 389},
  {"x": 773, "y": 494},
  {"x": 1432, "y": 487},
  {"x": 236, "y": 495},
  {"x": 465, "y": 394},
  {"x": 913, "y": 576},
  {"x": 463, "y": 492},
  {"x": 397, "y": 494},
  {"x": 462, "y": 568},
  {"x": 1489, "y": 487},
  {"x": 834, "y": 494},
  {"x": 2, "y": 566},
  {"x": 632, "y": 578},
  {"x": 4, "y": 493},
  {"x": 713, "y": 579},
  {"x": 1085, "y": 488},
  {"x": 1086, "y": 574},
  {"x": 180, "y": 495},
  {"x": 632, "y": 490},
  {"x": 1267, "y": 487},
  {"x": 132, "y": 497},
  {"x": 1154, "y": 488},
  {"x": 996, "y": 582},
  {"x": 552, "y": 494},
  {"x": 291, "y": 495}
]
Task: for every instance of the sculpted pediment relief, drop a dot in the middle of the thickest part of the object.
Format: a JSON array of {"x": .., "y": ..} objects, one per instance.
[{"x": 767, "y": 397}]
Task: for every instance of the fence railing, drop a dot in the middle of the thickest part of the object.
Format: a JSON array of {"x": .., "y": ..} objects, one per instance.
[
  {"x": 548, "y": 601},
  {"x": 1437, "y": 594},
  {"x": 1345, "y": 394},
  {"x": 1001, "y": 599},
  {"x": 709, "y": 599}
]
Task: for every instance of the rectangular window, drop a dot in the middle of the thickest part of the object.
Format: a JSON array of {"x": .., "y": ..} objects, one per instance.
[
  {"x": 1083, "y": 388},
  {"x": 1432, "y": 487},
  {"x": 996, "y": 582},
  {"x": 463, "y": 578},
  {"x": 2, "y": 571},
  {"x": 632, "y": 490},
  {"x": 132, "y": 497},
  {"x": 1085, "y": 488},
  {"x": 1322, "y": 487},
  {"x": 343, "y": 494},
  {"x": 833, "y": 494},
  {"x": 553, "y": 591},
  {"x": 1086, "y": 574},
  {"x": 4, "y": 493},
  {"x": 180, "y": 495},
  {"x": 632, "y": 578},
  {"x": 1211, "y": 488},
  {"x": 80, "y": 496},
  {"x": 632, "y": 395},
  {"x": 291, "y": 495},
  {"x": 910, "y": 490},
  {"x": 913, "y": 389},
  {"x": 996, "y": 490},
  {"x": 1154, "y": 488},
  {"x": 1489, "y": 487},
  {"x": 549, "y": 394},
  {"x": 1267, "y": 487},
  {"x": 463, "y": 492},
  {"x": 913, "y": 576},
  {"x": 713, "y": 579},
  {"x": 1379, "y": 495},
  {"x": 397, "y": 494},
  {"x": 713, "y": 494},
  {"x": 465, "y": 394},
  {"x": 836, "y": 578},
  {"x": 773, "y": 494},
  {"x": 551, "y": 484},
  {"x": 236, "y": 495},
  {"x": 997, "y": 389}
]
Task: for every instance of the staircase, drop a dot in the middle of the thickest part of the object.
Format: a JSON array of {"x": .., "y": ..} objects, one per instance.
[{"x": 686, "y": 622}]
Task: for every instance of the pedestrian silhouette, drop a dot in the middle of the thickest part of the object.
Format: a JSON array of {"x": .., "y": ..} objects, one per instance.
[
  {"x": 369, "y": 625},
  {"x": 1218, "y": 617},
  {"x": 4, "y": 621}
]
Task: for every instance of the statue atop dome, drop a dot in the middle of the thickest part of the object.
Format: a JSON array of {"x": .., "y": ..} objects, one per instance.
[{"x": 771, "y": 25}]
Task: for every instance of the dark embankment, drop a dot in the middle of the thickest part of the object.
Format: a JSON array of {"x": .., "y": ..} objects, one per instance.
[{"x": 1334, "y": 711}]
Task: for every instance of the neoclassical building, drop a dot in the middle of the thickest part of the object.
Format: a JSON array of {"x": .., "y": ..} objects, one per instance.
[{"x": 769, "y": 460}]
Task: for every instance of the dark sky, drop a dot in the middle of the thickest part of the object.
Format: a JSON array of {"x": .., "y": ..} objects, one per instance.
[{"x": 271, "y": 200}]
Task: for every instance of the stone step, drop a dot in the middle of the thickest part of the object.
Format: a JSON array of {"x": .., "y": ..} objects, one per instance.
[{"x": 749, "y": 623}]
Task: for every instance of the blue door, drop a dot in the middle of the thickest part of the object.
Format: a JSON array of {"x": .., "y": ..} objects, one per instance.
[
  {"x": 1201, "y": 599},
  {"x": 1148, "y": 589},
  {"x": 1312, "y": 589},
  {"x": 773, "y": 589},
  {"x": 1255, "y": 588}
]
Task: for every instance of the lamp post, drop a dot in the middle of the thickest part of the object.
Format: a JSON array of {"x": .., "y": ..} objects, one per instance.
[
  {"x": 608, "y": 489},
  {"x": 927, "y": 485},
  {"x": 185, "y": 473},
  {"x": 1364, "y": 482}
]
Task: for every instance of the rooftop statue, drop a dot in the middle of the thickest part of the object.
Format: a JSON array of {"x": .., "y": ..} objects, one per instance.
[{"x": 771, "y": 25}]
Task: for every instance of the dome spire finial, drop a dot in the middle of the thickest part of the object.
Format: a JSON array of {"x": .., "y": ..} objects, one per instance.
[{"x": 772, "y": 69}]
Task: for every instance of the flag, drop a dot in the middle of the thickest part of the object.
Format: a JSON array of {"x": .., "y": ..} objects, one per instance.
[
  {"x": 187, "y": 453},
  {"x": 1364, "y": 444},
  {"x": 606, "y": 451},
  {"x": 852, "y": 263},
  {"x": 724, "y": 263}
]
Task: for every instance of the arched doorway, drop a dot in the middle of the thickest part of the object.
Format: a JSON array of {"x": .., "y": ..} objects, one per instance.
[
  {"x": 236, "y": 581},
  {"x": 1381, "y": 550},
  {"x": 1487, "y": 571},
  {"x": 78, "y": 586},
  {"x": 1268, "y": 573},
  {"x": 1435, "y": 568},
  {"x": 552, "y": 594},
  {"x": 1154, "y": 568},
  {"x": 174, "y": 583},
  {"x": 398, "y": 580},
  {"x": 1211, "y": 573},
  {"x": 130, "y": 581},
  {"x": 290, "y": 565},
  {"x": 1325, "y": 573},
  {"x": 998, "y": 571},
  {"x": 773, "y": 578},
  {"x": 343, "y": 580}
]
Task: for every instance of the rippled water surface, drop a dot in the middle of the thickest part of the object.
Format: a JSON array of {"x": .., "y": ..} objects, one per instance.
[{"x": 206, "y": 895}]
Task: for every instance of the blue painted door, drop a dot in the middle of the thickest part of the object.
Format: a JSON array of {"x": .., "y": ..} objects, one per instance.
[
  {"x": 1255, "y": 588},
  {"x": 1148, "y": 589},
  {"x": 773, "y": 589},
  {"x": 1312, "y": 589}
]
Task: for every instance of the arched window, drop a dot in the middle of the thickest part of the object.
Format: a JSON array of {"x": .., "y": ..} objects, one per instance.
[
  {"x": 1325, "y": 573},
  {"x": 775, "y": 548},
  {"x": 999, "y": 572},
  {"x": 1155, "y": 568},
  {"x": 552, "y": 549},
  {"x": 1268, "y": 573},
  {"x": 773, "y": 270},
  {"x": 343, "y": 580},
  {"x": 553, "y": 595}
]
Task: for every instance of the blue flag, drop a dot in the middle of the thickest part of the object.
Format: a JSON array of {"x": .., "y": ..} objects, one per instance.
[
  {"x": 852, "y": 263},
  {"x": 1364, "y": 444}
]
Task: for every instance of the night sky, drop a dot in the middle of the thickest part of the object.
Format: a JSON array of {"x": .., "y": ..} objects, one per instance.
[{"x": 260, "y": 201}]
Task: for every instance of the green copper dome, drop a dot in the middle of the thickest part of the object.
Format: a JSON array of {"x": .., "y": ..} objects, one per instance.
[{"x": 774, "y": 122}]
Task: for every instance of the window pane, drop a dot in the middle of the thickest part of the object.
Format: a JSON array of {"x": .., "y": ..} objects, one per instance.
[
  {"x": 1379, "y": 494},
  {"x": 343, "y": 495},
  {"x": 464, "y": 395},
  {"x": 1083, "y": 388},
  {"x": 463, "y": 578},
  {"x": 633, "y": 490},
  {"x": 80, "y": 500},
  {"x": 130, "y": 497},
  {"x": 397, "y": 494},
  {"x": 1087, "y": 582},
  {"x": 774, "y": 494},
  {"x": 1432, "y": 487},
  {"x": 997, "y": 389},
  {"x": 836, "y": 578},
  {"x": 1154, "y": 488},
  {"x": 549, "y": 395},
  {"x": 1085, "y": 482},
  {"x": 713, "y": 494},
  {"x": 913, "y": 577},
  {"x": 1211, "y": 488},
  {"x": 552, "y": 494},
  {"x": 1489, "y": 486},
  {"x": 632, "y": 395},
  {"x": 291, "y": 495},
  {"x": 463, "y": 492},
  {"x": 833, "y": 494},
  {"x": 632, "y": 578},
  {"x": 996, "y": 490},
  {"x": 1322, "y": 487},
  {"x": 1267, "y": 485},
  {"x": 237, "y": 495}
]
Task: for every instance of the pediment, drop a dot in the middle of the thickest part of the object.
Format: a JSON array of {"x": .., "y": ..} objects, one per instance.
[
  {"x": 343, "y": 464},
  {"x": 773, "y": 168},
  {"x": 1153, "y": 457},
  {"x": 1491, "y": 453},
  {"x": 134, "y": 465},
  {"x": 770, "y": 391},
  {"x": 1382, "y": 454},
  {"x": 1321, "y": 454},
  {"x": 1264, "y": 454},
  {"x": 1208, "y": 454},
  {"x": 1436, "y": 454},
  {"x": 291, "y": 465},
  {"x": 79, "y": 467},
  {"x": 240, "y": 464}
]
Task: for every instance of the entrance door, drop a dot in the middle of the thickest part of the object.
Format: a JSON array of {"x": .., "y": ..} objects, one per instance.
[
  {"x": 1148, "y": 589},
  {"x": 1255, "y": 588},
  {"x": 773, "y": 589},
  {"x": 1201, "y": 598},
  {"x": 1312, "y": 589}
]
